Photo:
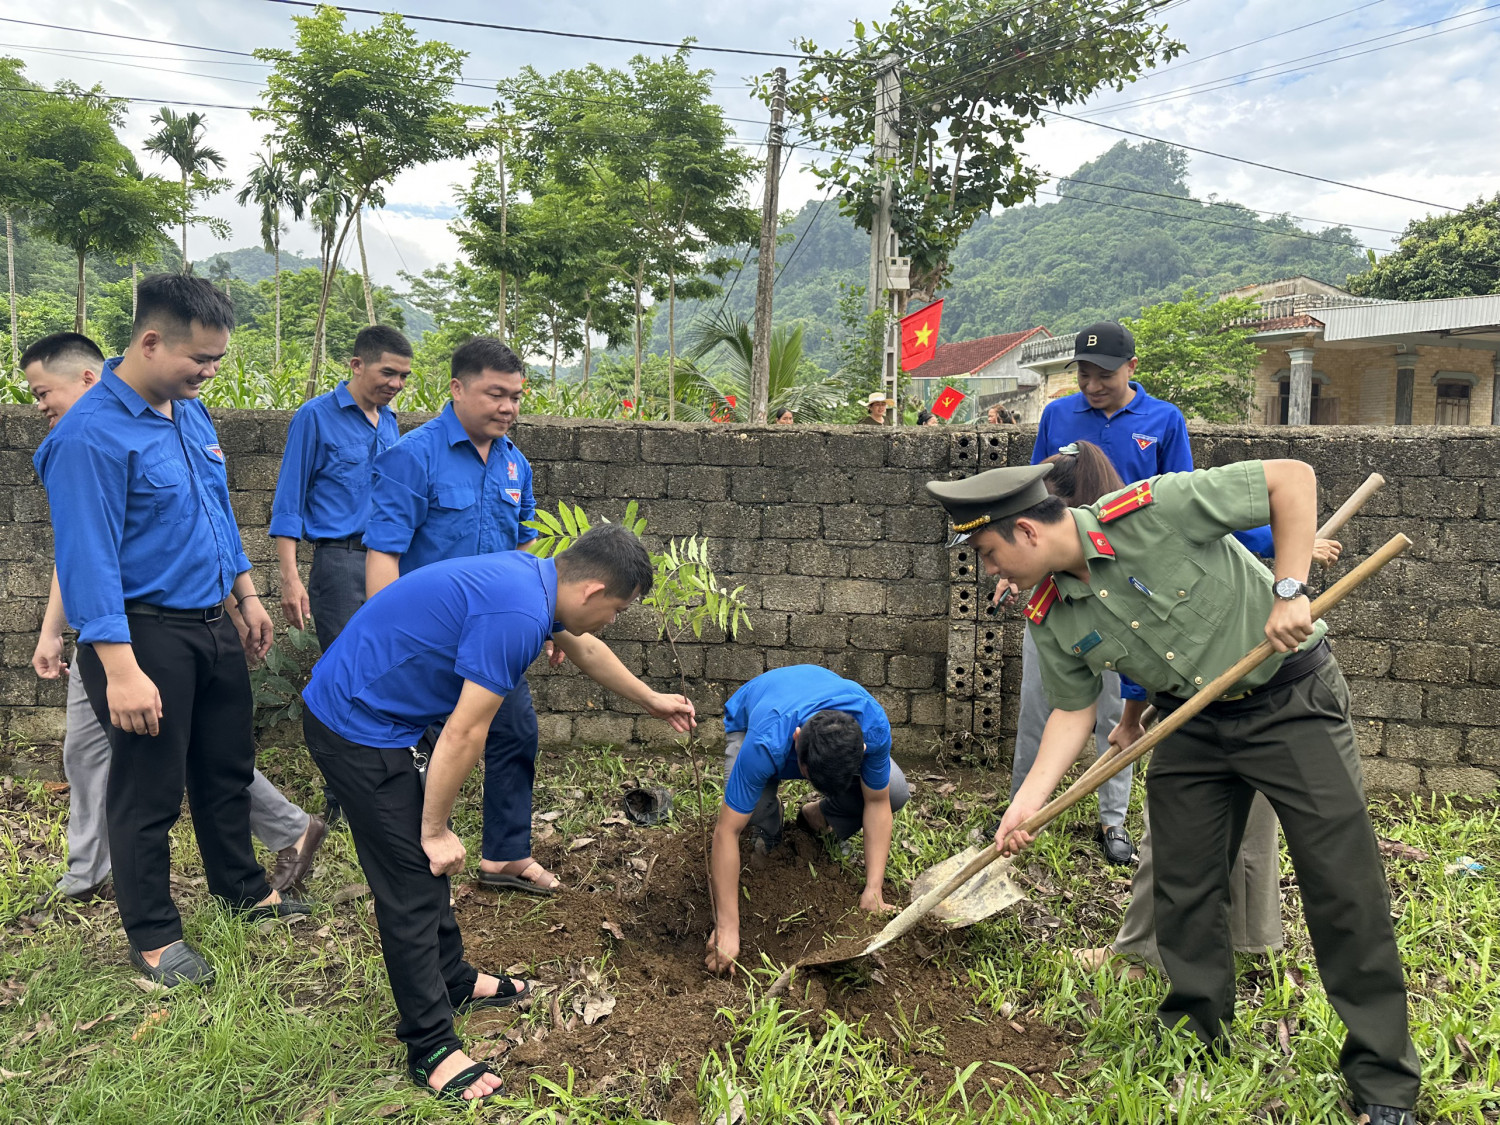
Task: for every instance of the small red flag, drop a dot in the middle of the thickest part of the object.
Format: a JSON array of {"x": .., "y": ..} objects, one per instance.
[
  {"x": 919, "y": 333},
  {"x": 947, "y": 403}
]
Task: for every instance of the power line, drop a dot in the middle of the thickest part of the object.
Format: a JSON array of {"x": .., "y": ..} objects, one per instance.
[
  {"x": 1244, "y": 160},
  {"x": 1256, "y": 75},
  {"x": 547, "y": 31}
]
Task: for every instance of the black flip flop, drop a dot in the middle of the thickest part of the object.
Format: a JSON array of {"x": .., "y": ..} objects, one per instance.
[
  {"x": 453, "y": 1089},
  {"x": 499, "y": 881},
  {"x": 504, "y": 997}
]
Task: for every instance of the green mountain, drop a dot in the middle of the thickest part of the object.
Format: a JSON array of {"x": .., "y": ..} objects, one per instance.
[{"x": 1126, "y": 233}]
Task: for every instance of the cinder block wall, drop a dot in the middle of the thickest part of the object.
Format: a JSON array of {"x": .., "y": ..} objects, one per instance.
[{"x": 842, "y": 559}]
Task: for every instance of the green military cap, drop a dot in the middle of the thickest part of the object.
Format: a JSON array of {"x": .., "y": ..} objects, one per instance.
[{"x": 989, "y": 496}]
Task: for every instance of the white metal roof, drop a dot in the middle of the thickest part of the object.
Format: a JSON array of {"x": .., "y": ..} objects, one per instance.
[{"x": 1400, "y": 318}]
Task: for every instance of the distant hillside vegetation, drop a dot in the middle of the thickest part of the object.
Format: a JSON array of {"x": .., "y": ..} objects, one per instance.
[{"x": 1097, "y": 252}]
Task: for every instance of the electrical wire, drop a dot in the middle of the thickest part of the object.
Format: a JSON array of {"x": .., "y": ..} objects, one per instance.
[{"x": 521, "y": 29}]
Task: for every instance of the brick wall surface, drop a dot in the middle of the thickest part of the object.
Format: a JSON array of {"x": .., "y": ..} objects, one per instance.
[{"x": 842, "y": 558}]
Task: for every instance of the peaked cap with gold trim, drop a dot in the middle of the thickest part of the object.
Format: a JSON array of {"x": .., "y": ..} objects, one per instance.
[{"x": 989, "y": 496}]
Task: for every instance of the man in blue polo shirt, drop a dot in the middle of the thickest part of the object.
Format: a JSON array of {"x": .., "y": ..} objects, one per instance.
[
  {"x": 453, "y": 487},
  {"x": 449, "y": 643},
  {"x": 794, "y": 723},
  {"x": 323, "y": 489},
  {"x": 147, "y": 552}
]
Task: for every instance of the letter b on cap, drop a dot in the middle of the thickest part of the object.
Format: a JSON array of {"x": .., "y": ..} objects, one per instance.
[{"x": 1093, "y": 341}]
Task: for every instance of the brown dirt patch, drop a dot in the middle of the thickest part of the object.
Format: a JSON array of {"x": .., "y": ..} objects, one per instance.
[{"x": 914, "y": 995}]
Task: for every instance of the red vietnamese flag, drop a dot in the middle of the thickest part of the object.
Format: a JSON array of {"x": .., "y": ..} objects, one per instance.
[
  {"x": 919, "y": 333},
  {"x": 947, "y": 403}
]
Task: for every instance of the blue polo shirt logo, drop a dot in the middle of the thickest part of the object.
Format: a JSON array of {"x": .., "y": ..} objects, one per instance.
[
  {"x": 213, "y": 450},
  {"x": 510, "y": 468},
  {"x": 1145, "y": 441},
  {"x": 514, "y": 494}
]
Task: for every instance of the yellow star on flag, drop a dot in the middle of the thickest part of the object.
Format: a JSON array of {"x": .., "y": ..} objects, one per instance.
[{"x": 923, "y": 335}]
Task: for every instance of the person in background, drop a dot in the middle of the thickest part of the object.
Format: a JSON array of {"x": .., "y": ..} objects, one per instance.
[
  {"x": 323, "y": 489},
  {"x": 458, "y": 485},
  {"x": 148, "y": 551},
  {"x": 59, "y": 368},
  {"x": 875, "y": 406},
  {"x": 783, "y": 416},
  {"x": 928, "y": 418}
]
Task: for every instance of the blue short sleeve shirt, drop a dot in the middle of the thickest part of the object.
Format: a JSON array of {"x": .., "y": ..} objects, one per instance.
[
  {"x": 773, "y": 705},
  {"x": 323, "y": 489},
  {"x": 140, "y": 508},
  {"x": 1144, "y": 438},
  {"x": 434, "y": 497},
  {"x": 401, "y": 662}
]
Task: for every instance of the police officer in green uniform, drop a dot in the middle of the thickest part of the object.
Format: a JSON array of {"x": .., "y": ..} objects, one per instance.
[{"x": 1146, "y": 582}]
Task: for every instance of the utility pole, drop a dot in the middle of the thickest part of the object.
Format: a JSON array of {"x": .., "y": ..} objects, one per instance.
[
  {"x": 884, "y": 248},
  {"x": 765, "y": 282}
]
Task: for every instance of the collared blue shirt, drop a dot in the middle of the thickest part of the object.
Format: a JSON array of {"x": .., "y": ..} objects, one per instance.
[
  {"x": 401, "y": 662},
  {"x": 1144, "y": 438},
  {"x": 435, "y": 498},
  {"x": 323, "y": 489},
  {"x": 140, "y": 508},
  {"x": 773, "y": 705}
]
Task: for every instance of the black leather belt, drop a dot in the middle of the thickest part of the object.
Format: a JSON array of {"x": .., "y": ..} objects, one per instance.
[
  {"x": 1296, "y": 666},
  {"x": 349, "y": 543},
  {"x": 207, "y": 615}
]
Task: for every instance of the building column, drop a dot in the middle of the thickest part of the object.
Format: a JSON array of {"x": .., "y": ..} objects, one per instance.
[
  {"x": 1406, "y": 387},
  {"x": 1299, "y": 387}
]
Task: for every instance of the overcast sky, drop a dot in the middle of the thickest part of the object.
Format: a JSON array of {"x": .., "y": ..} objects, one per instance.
[{"x": 1414, "y": 116}]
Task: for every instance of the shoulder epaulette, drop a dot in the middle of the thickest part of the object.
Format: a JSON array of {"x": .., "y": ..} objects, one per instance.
[
  {"x": 1045, "y": 597},
  {"x": 1126, "y": 502}
]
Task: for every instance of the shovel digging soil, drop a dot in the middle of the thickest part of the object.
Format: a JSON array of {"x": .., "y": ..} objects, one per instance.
[{"x": 983, "y": 881}]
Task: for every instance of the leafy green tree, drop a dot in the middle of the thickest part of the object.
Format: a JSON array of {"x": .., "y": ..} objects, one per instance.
[
  {"x": 649, "y": 145},
  {"x": 15, "y": 100},
  {"x": 179, "y": 139},
  {"x": 1455, "y": 255},
  {"x": 975, "y": 75},
  {"x": 272, "y": 185},
  {"x": 87, "y": 192},
  {"x": 1194, "y": 357},
  {"x": 804, "y": 387},
  {"x": 366, "y": 105}
]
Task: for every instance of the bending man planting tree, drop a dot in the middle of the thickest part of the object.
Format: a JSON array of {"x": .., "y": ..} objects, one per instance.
[
  {"x": 794, "y": 723},
  {"x": 449, "y": 642},
  {"x": 1144, "y": 582}
]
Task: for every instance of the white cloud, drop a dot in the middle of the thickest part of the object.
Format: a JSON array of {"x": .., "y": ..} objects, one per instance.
[{"x": 1402, "y": 120}]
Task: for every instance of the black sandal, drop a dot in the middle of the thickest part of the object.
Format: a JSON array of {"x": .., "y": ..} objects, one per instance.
[
  {"x": 506, "y": 995},
  {"x": 453, "y": 1089}
]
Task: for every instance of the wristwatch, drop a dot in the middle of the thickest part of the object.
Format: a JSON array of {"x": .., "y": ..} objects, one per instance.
[{"x": 1289, "y": 589}]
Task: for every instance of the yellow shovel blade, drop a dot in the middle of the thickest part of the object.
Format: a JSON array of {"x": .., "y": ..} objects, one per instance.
[{"x": 989, "y": 892}]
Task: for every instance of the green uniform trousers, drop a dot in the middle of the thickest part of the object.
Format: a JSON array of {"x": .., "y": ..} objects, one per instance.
[{"x": 1296, "y": 745}]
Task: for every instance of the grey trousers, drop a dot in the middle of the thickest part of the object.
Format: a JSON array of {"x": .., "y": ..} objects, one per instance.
[
  {"x": 844, "y": 812},
  {"x": 1254, "y": 892},
  {"x": 274, "y": 820},
  {"x": 1114, "y": 794}
]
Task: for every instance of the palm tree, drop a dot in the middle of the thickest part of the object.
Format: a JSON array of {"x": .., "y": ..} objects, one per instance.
[
  {"x": 273, "y": 185},
  {"x": 805, "y": 389},
  {"x": 178, "y": 140},
  {"x": 328, "y": 200}
]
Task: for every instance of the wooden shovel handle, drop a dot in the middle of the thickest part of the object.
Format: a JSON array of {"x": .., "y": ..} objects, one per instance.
[
  {"x": 1373, "y": 484},
  {"x": 1106, "y": 769}
]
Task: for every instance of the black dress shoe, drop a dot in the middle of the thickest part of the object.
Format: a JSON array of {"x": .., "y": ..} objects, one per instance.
[
  {"x": 1117, "y": 845},
  {"x": 286, "y": 908},
  {"x": 180, "y": 964},
  {"x": 1386, "y": 1115}
]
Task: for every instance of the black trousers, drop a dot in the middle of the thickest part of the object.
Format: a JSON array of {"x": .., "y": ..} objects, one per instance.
[
  {"x": 1296, "y": 745},
  {"x": 206, "y": 746},
  {"x": 381, "y": 795}
]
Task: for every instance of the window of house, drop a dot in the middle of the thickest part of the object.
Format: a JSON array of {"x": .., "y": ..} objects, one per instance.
[
  {"x": 1317, "y": 408},
  {"x": 1452, "y": 402}
]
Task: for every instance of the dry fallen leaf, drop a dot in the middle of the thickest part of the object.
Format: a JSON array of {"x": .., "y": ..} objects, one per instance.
[
  {"x": 388, "y": 1109},
  {"x": 1394, "y": 849},
  {"x": 7, "y": 1075},
  {"x": 1284, "y": 1035},
  {"x": 614, "y": 818},
  {"x": 152, "y": 1021},
  {"x": 55, "y": 786},
  {"x": 614, "y": 930},
  {"x": 81, "y": 1026},
  {"x": 580, "y": 842},
  {"x": 148, "y": 985},
  {"x": 637, "y": 863},
  {"x": 1467, "y": 1050},
  {"x": 945, "y": 790},
  {"x": 735, "y": 1114},
  {"x": 549, "y": 817},
  {"x": 350, "y": 893},
  {"x": 597, "y": 1007}
]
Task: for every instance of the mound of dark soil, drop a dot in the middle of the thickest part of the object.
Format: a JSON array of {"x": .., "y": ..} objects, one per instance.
[{"x": 639, "y": 899}]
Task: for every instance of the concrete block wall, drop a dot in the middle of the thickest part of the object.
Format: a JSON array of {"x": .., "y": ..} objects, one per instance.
[{"x": 843, "y": 561}]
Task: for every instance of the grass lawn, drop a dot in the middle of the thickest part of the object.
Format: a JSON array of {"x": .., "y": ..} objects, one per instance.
[{"x": 298, "y": 1026}]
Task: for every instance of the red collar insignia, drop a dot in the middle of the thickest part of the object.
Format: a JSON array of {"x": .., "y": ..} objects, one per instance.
[
  {"x": 1101, "y": 544},
  {"x": 1122, "y": 504},
  {"x": 1041, "y": 601}
]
